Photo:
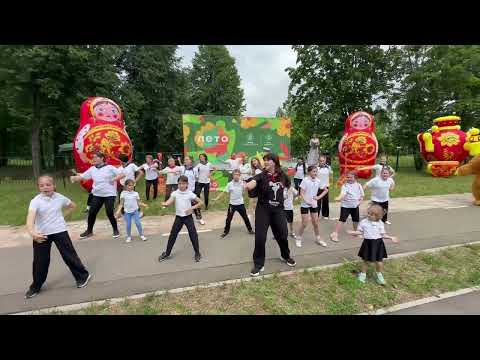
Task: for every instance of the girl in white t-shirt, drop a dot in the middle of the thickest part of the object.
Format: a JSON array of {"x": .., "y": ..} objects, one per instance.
[
  {"x": 183, "y": 209},
  {"x": 172, "y": 171},
  {"x": 325, "y": 175},
  {"x": 300, "y": 173},
  {"x": 192, "y": 174},
  {"x": 130, "y": 202},
  {"x": 245, "y": 169},
  {"x": 308, "y": 192},
  {"x": 235, "y": 189},
  {"x": 46, "y": 224},
  {"x": 204, "y": 170},
  {"x": 381, "y": 187},
  {"x": 289, "y": 194},
  {"x": 373, "y": 247},
  {"x": 256, "y": 168},
  {"x": 150, "y": 168},
  {"x": 351, "y": 195},
  {"x": 104, "y": 191}
]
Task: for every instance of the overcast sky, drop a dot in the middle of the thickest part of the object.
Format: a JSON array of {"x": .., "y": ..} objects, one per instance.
[{"x": 262, "y": 72}]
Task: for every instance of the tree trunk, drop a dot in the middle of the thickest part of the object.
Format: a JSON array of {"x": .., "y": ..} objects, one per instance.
[{"x": 35, "y": 137}]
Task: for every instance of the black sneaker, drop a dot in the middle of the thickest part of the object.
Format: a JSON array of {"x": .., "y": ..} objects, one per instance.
[
  {"x": 251, "y": 232},
  {"x": 290, "y": 262},
  {"x": 163, "y": 257},
  {"x": 223, "y": 235},
  {"x": 256, "y": 270},
  {"x": 31, "y": 293},
  {"x": 82, "y": 284},
  {"x": 198, "y": 257},
  {"x": 86, "y": 234},
  {"x": 116, "y": 234}
]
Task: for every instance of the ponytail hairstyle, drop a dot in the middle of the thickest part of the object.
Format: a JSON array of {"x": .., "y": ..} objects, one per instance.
[{"x": 303, "y": 165}]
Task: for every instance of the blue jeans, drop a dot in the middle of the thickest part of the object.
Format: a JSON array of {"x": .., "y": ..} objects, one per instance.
[{"x": 128, "y": 220}]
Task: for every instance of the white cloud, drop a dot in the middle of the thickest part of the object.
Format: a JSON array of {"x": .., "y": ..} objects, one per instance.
[{"x": 262, "y": 72}]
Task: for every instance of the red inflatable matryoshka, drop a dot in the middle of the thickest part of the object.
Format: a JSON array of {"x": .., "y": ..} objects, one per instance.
[
  {"x": 102, "y": 128},
  {"x": 358, "y": 146}
]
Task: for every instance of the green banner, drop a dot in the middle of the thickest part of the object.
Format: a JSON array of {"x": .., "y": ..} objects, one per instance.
[{"x": 220, "y": 136}]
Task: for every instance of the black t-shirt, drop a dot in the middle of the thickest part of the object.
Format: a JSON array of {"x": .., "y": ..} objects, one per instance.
[{"x": 270, "y": 190}]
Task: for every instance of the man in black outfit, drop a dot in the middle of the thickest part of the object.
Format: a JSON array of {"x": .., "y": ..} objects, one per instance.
[{"x": 269, "y": 187}]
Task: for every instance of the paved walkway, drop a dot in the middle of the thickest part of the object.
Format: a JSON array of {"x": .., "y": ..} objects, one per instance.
[
  {"x": 122, "y": 269},
  {"x": 467, "y": 304}
]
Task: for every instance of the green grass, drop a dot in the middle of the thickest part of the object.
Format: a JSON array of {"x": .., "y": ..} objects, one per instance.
[
  {"x": 331, "y": 291},
  {"x": 14, "y": 198}
]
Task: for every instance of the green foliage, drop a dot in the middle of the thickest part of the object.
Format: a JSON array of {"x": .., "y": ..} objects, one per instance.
[
  {"x": 153, "y": 94},
  {"x": 436, "y": 81},
  {"x": 215, "y": 82}
]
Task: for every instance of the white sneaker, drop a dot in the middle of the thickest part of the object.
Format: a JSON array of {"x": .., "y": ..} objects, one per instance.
[
  {"x": 326, "y": 218},
  {"x": 321, "y": 242},
  {"x": 201, "y": 221},
  {"x": 129, "y": 239},
  {"x": 293, "y": 235},
  {"x": 143, "y": 237},
  {"x": 388, "y": 222},
  {"x": 298, "y": 242}
]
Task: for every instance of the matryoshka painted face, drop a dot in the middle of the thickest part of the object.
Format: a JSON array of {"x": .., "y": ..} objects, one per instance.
[
  {"x": 106, "y": 111},
  {"x": 361, "y": 122}
]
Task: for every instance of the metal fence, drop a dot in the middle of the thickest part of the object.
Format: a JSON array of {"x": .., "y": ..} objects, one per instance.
[{"x": 18, "y": 168}]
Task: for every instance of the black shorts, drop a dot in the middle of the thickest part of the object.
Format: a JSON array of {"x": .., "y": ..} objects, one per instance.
[
  {"x": 354, "y": 212},
  {"x": 289, "y": 216},
  {"x": 312, "y": 210}
]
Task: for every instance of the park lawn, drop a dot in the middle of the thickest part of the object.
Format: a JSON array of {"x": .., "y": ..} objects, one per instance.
[
  {"x": 14, "y": 198},
  {"x": 330, "y": 291}
]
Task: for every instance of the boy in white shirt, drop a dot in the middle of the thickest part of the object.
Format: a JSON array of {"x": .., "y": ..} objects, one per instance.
[
  {"x": 130, "y": 202},
  {"x": 46, "y": 224},
  {"x": 183, "y": 209},
  {"x": 350, "y": 197},
  {"x": 373, "y": 248},
  {"x": 308, "y": 192},
  {"x": 235, "y": 188},
  {"x": 381, "y": 187}
]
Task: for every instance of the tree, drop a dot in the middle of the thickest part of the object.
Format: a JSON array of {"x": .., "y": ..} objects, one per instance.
[
  {"x": 215, "y": 82},
  {"x": 280, "y": 113},
  {"x": 155, "y": 92},
  {"x": 43, "y": 85},
  {"x": 436, "y": 81},
  {"x": 332, "y": 81}
]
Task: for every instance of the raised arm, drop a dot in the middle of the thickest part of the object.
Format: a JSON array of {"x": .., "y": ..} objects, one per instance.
[{"x": 69, "y": 209}]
